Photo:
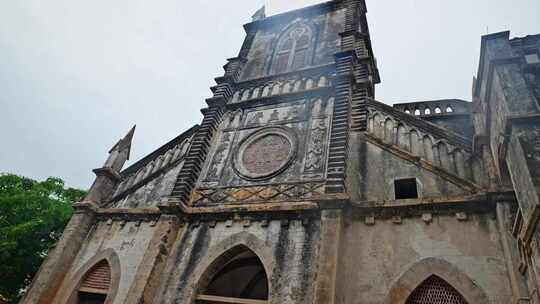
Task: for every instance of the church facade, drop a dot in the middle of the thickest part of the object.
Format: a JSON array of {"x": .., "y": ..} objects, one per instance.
[{"x": 298, "y": 186}]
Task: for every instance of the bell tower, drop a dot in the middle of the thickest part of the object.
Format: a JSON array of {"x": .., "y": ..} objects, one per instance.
[
  {"x": 277, "y": 128},
  {"x": 270, "y": 158}
]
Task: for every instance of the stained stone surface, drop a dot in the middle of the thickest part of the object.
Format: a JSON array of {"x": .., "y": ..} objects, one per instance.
[
  {"x": 264, "y": 154},
  {"x": 300, "y": 167}
]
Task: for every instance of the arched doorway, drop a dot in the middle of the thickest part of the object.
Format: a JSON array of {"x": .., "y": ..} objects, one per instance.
[
  {"x": 237, "y": 276},
  {"x": 95, "y": 285},
  {"x": 435, "y": 290}
]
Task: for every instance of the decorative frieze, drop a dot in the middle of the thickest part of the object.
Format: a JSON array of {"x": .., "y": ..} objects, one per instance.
[
  {"x": 258, "y": 194},
  {"x": 274, "y": 87}
]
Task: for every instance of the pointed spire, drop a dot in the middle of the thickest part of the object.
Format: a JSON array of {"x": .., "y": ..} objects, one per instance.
[
  {"x": 260, "y": 14},
  {"x": 124, "y": 143}
]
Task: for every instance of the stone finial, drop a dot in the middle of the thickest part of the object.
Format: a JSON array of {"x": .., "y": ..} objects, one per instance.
[
  {"x": 108, "y": 176},
  {"x": 260, "y": 14},
  {"x": 120, "y": 152}
]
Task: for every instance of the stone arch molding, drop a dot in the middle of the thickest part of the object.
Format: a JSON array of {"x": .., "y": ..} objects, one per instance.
[
  {"x": 241, "y": 239},
  {"x": 72, "y": 286},
  {"x": 420, "y": 271},
  {"x": 298, "y": 22}
]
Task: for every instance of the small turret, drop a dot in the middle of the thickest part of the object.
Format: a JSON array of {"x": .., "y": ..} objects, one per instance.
[{"x": 109, "y": 175}]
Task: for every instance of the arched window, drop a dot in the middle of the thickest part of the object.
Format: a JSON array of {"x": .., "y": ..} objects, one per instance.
[
  {"x": 417, "y": 112},
  {"x": 95, "y": 285},
  {"x": 292, "y": 50},
  {"x": 438, "y": 110},
  {"x": 435, "y": 290},
  {"x": 407, "y": 111},
  {"x": 449, "y": 109},
  {"x": 427, "y": 111},
  {"x": 238, "y": 276}
]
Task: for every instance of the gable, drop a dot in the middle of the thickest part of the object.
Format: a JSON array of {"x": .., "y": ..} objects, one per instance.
[{"x": 324, "y": 36}]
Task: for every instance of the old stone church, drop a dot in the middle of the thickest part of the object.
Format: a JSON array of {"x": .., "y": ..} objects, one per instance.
[{"x": 299, "y": 186}]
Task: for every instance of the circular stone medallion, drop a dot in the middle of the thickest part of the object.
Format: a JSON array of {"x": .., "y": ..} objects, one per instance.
[{"x": 265, "y": 153}]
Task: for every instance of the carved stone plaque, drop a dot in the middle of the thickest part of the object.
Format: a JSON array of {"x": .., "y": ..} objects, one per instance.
[{"x": 265, "y": 153}]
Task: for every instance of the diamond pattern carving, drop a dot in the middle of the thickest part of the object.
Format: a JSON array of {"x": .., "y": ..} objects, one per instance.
[{"x": 258, "y": 194}]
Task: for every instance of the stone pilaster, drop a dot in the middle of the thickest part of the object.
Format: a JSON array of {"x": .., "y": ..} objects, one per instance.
[
  {"x": 331, "y": 226},
  {"x": 339, "y": 139},
  {"x": 59, "y": 260},
  {"x": 196, "y": 155},
  {"x": 147, "y": 279}
]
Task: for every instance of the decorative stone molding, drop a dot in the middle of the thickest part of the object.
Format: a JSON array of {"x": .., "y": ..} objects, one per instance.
[
  {"x": 258, "y": 194},
  {"x": 279, "y": 86},
  {"x": 209, "y": 265},
  {"x": 266, "y": 153},
  {"x": 423, "y": 269},
  {"x": 69, "y": 293},
  {"x": 147, "y": 169}
]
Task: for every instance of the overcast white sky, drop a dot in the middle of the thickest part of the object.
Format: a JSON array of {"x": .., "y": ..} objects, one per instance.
[{"x": 75, "y": 75}]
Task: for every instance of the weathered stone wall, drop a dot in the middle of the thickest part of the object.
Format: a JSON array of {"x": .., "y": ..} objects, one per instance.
[
  {"x": 327, "y": 42},
  {"x": 288, "y": 251},
  {"x": 306, "y": 125},
  {"x": 461, "y": 124},
  {"x": 374, "y": 257},
  {"x": 128, "y": 240},
  {"x": 153, "y": 192},
  {"x": 380, "y": 169}
]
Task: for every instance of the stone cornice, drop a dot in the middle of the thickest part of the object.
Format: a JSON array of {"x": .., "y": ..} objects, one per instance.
[
  {"x": 310, "y": 71},
  {"x": 276, "y": 99},
  {"x": 481, "y": 201}
]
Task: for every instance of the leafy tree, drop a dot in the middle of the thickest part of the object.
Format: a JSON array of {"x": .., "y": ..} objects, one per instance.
[{"x": 32, "y": 217}]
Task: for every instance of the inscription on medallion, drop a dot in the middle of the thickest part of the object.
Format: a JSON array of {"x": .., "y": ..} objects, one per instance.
[{"x": 266, "y": 154}]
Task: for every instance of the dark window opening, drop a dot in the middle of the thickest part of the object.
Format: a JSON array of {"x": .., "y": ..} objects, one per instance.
[
  {"x": 91, "y": 298},
  {"x": 240, "y": 278},
  {"x": 405, "y": 188}
]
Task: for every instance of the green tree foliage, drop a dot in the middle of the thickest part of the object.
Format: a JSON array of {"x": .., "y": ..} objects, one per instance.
[{"x": 32, "y": 217}]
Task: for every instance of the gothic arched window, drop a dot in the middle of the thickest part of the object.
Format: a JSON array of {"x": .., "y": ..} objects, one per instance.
[
  {"x": 95, "y": 285},
  {"x": 292, "y": 50},
  {"x": 238, "y": 276},
  {"x": 435, "y": 290}
]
